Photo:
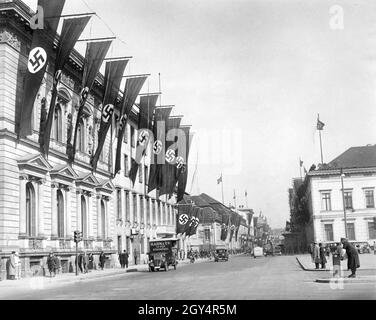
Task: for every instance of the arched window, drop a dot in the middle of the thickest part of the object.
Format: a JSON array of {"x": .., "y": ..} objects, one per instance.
[
  {"x": 60, "y": 214},
  {"x": 83, "y": 217},
  {"x": 30, "y": 211},
  {"x": 103, "y": 217},
  {"x": 81, "y": 137},
  {"x": 58, "y": 124}
]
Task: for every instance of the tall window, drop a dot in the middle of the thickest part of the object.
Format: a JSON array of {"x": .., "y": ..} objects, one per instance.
[
  {"x": 328, "y": 232},
  {"x": 159, "y": 213},
  {"x": 30, "y": 211},
  {"x": 325, "y": 201},
  {"x": 60, "y": 214},
  {"x": 147, "y": 210},
  {"x": 81, "y": 137},
  {"x": 146, "y": 171},
  {"x": 127, "y": 206},
  {"x": 348, "y": 199},
  {"x": 83, "y": 218},
  {"x": 153, "y": 212},
  {"x": 140, "y": 173},
  {"x": 119, "y": 204},
  {"x": 371, "y": 230},
  {"x": 133, "y": 141},
  {"x": 134, "y": 207},
  {"x": 126, "y": 167},
  {"x": 351, "y": 231},
  {"x": 370, "y": 200},
  {"x": 142, "y": 210},
  {"x": 57, "y": 124},
  {"x": 103, "y": 219}
]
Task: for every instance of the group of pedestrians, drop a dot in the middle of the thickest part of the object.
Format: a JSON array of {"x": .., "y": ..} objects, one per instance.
[
  {"x": 53, "y": 264},
  {"x": 124, "y": 259},
  {"x": 340, "y": 251}
]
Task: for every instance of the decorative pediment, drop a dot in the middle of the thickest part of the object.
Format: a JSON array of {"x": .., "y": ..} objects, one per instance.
[
  {"x": 35, "y": 165},
  {"x": 87, "y": 180},
  {"x": 63, "y": 173},
  {"x": 106, "y": 187}
]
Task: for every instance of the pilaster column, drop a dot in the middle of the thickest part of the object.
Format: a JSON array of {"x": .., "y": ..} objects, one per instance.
[
  {"x": 68, "y": 212},
  {"x": 78, "y": 210},
  {"x": 99, "y": 218},
  {"x": 133, "y": 215},
  {"x": 90, "y": 215},
  {"x": 54, "y": 187},
  {"x": 106, "y": 201},
  {"x": 22, "y": 204},
  {"x": 123, "y": 205},
  {"x": 40, "y": 185}
]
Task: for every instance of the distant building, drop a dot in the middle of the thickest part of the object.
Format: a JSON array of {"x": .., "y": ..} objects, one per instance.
[{"x": 324, "y": 192}]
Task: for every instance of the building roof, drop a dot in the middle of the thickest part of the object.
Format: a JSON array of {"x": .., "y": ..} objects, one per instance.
[{"x": 355, "y": 157}]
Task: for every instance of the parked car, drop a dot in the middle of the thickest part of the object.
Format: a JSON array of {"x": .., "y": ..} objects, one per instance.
[
  {"x": 362, "y": 247},
  {"x": 258, "y": 252},
  {"x": 221, "y": 254},
  {"x": 277, "y": 251}
]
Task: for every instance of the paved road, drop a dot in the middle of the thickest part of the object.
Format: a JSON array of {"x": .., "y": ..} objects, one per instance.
[{"x": 242, "y": 278}]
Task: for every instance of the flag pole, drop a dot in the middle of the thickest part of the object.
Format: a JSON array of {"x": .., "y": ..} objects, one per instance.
[
  {"x": 300, "y": 168},
  {"x": 322, "y": 159},
  {"x": 246, "y": 199},
  {"x": 235, "y": 198},
  {"x": 223, "y": 198}
]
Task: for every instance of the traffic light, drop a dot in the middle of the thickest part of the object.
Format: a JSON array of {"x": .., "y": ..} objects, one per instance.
[{"x": 77, "y": 236}]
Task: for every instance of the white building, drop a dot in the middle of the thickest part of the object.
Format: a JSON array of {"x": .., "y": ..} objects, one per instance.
[
  {"x": 44, "y": 200},
  {"x": 326, "y": 201}
]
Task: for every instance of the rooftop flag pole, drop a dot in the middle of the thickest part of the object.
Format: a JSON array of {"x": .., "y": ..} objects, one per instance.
[
  {"x": 320, "y": 127},
  {"x": 300, "y": 168}
]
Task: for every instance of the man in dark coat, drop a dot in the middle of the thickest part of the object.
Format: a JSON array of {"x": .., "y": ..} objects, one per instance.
[
  {"x": 352, "y": 257},
  {"x": 322, "y": 256},
  {"x": 80, "y": 262},
  {"x": 102, "y": 259}
]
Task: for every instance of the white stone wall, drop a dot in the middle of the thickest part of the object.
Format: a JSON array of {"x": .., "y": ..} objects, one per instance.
[{"x": 360, "y": 216}]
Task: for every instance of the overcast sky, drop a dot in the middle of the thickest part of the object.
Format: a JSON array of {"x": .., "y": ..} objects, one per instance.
[{"x": 250, "y": 76}]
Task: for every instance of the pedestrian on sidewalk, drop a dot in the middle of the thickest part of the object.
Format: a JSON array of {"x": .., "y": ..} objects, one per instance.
[
  {"x": 91, "y": 261},
  {"x": 135, "y": 256},
  {"x": 80, "y": 262},
  {"x": 316, "y": 255},
  {"x": 51, "y": 264},
  {"x": 352, "y": 257},
  {"x": 57, "y": 264},
  {"x": 12, "y": 266},
  {"x": 85, "y": 262},
  {"x": 126, "y": 258},
  {"x": 102, "y": 259},
  {"x": 322, "y": 256},
  {"x": 17, "y": 261},
  {"x": 337, "y": 257}
]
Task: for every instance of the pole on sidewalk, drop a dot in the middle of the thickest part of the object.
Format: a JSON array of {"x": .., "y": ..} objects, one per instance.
[
  {"x": 76, "y": 258},
  {"x": 344, "y": 204}
]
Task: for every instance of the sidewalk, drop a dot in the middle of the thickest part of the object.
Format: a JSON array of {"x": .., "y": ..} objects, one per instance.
[
  {"x": 68, "y": 278},
  {"x": 362, "y": 279},
  {"x": 367, "y": 262}
]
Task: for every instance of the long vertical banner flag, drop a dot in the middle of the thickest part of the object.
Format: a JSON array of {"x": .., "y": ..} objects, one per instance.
[
  {"x": 132, "y": 89},
  {"x": 145, "y": 118},
  {"x": 72, "y": 29},
  {"x": 183, "y": 166},
  {"x": 193, "y": 222},
  {"x": 168, "y": 170},
  {"x": 39, "y": 56},
  {"x": 113, "y": 76},
  {"x": 94, "y": 57},
  {"x": 234, "y": 218},
  {"x": 160, "y": 117},
  {"x": 184, "y": 214}
]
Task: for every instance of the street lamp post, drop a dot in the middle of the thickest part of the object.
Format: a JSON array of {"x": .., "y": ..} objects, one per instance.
[{"x": 343, "y": 200}]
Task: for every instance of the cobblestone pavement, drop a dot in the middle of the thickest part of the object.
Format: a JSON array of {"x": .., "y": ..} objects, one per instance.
[{"x": 242, "y": 277}]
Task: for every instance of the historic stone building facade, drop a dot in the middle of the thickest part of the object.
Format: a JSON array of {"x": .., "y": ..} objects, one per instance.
[
  {"x": 326, "y": 200},
  {"x": 44, "y": 200}
]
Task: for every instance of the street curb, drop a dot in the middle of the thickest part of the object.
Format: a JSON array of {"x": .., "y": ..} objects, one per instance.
[
  {"x": 320, "y": 270},
  {"x": 346, "y": 280}
]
